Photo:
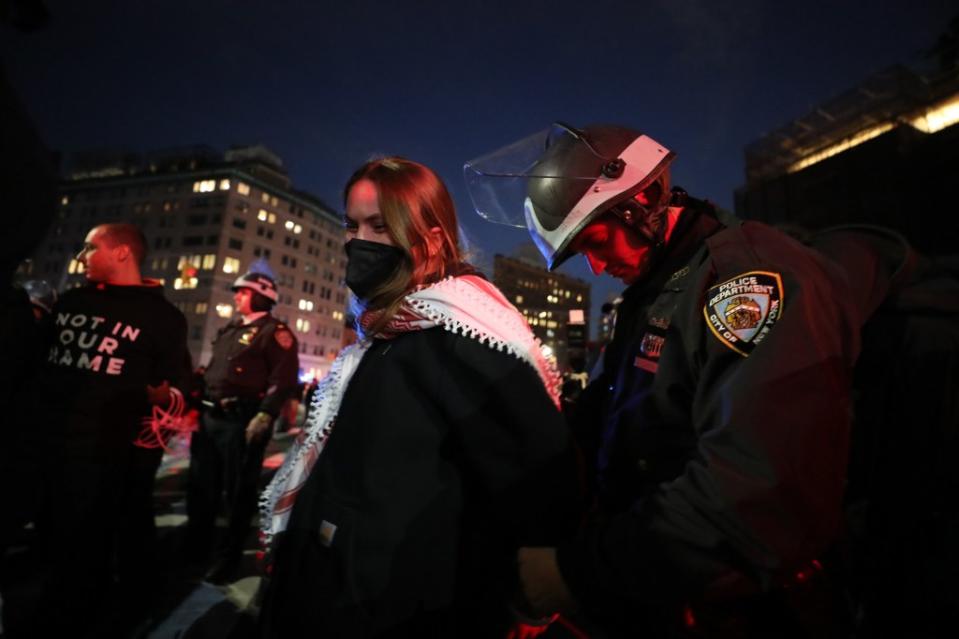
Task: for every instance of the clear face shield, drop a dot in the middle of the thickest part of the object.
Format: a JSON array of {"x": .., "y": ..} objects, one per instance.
[
  {"x": 556, "y": 181},
  {"x": 498, "y": 182}
]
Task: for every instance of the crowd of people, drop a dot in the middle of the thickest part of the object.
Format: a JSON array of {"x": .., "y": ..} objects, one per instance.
[{"x": 440, "y": 487}]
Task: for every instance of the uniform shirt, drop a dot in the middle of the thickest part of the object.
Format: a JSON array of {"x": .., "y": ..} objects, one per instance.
[
  {"x": 109, "y": 342},
  {"x": 254, "y": 361},
  {"x": 723, "y": 437}
]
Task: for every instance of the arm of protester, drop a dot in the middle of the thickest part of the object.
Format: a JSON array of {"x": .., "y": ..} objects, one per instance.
[{"x": 159, "y": 394}]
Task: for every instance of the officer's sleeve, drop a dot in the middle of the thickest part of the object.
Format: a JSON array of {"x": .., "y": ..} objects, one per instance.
[
  {"x": 516, "y": 447},
  {"x": 282, "y": 368},
  {"x": 762, "y": 495}
]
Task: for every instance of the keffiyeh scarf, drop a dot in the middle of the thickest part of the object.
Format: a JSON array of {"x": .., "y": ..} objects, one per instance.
[{"x": 467, "y": 305}]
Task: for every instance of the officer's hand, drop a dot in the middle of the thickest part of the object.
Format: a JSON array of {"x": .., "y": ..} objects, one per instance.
[
  {"x": 259, "y": 425},
  {"x": 542, "y": 584},
  {"x": 159, "y": 394}
]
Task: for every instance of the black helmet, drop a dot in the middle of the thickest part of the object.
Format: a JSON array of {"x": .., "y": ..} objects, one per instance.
[
  {"x": 562, "y": 178},
  {"x": 621, "y": 161},
  {"x": 259, "y": 283}
]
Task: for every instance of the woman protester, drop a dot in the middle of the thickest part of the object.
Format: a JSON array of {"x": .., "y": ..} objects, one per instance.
[{"x": 435, "y": 447}]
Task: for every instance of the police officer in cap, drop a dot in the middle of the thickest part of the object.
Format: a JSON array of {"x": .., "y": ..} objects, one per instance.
[
  {"x": 719, "y": 426},
  {"x": 252, "y": 373}
]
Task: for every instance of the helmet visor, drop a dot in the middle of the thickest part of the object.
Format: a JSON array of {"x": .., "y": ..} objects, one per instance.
[{"x": 498, "y": 182}]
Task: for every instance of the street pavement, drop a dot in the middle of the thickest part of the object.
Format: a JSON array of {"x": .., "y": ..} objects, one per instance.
[{"x": 185, "y": 606}]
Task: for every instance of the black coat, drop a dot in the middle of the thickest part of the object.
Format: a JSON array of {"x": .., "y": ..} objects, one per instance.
[
  {"x": 721, "y": 454},
  {"x": 445, "y": 457}
]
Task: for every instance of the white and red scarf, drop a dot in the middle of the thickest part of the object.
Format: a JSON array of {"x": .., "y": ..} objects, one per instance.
[{"x": 467, "y": 305}]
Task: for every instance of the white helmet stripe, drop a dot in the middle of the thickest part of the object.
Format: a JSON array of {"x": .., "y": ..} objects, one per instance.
[{"x": 642, "y": 157}]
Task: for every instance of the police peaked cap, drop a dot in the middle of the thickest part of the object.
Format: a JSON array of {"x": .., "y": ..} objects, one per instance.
[
  {"x": 259, "y": 283},
  {"x": 585, "y": 179}
]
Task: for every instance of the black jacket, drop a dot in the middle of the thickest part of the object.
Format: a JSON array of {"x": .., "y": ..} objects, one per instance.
[
  {"x": 721, "y": 425},
  {"x": 109, "y": 342},
  {"x": 256, "y": 361},
  {"x": 446, "y": 456}
]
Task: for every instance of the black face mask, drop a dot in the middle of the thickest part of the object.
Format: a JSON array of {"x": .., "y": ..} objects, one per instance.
[{"x": 369, "y": 265}]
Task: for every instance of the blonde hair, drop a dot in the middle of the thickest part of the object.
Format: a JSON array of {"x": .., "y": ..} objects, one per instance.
[{"x": 413, "y": 203}]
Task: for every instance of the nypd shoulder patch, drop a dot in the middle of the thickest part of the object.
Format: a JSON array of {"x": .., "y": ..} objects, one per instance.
[{"x": 741, "y": 311}]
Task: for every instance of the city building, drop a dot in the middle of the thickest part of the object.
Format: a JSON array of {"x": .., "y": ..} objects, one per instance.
[
  {"x": 207, "y": 217},
  {"x": 555, "y": 305},
  {"x": 884, "y": 152}
]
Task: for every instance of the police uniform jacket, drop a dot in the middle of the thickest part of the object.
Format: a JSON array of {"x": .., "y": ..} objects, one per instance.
[
  {"x": 447, "y": 455},
  {"x": 255, "y": 363},
  {"x": 721, "y": 426}
]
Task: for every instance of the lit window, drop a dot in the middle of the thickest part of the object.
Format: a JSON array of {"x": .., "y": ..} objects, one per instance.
[
  {"x": 201, "y": 308},
  {"x": 577, "y": 316},
  {"x": 297, "y": 229},
  {"x": 76, "y": 266},
  {"x": 302, "y": 325},
  {"x": 209, "y": 262},
  {"x": 306, "y": 305},
  {"x": 242, "y": 188},
  {"x": 262, "y": 215},
  {"x": 579, "y": 298},
  {"x": 224, "y": 310},
  {"x": 519, "y": 299},
  {"x": 265, "y": 197},
  {"x": 231, "y": 265},
  {"x": 182, "y": 283},
  {"x": 204, "y": 186},
  {"x": 289, "y": 225},
  {"x": 188, "y": 260},
  {"x": 224, "y": 185},
  {"x": 271, "y": 218},
  {"x": 65, "y": 200}
]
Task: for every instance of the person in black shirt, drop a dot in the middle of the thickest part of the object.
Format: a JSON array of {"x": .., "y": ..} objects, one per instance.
[
  {"x": 118, "y": 347},
  {"x": 252, "y": 373}
]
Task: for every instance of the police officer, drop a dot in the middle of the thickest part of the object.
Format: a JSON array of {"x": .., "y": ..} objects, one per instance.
[
  {"x": 252, "y": 373},
  {"x": 720, "y": 422}
]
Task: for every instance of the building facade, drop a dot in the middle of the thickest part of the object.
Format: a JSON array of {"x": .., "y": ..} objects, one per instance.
[
  {"x": 207, "y": 217},
  {"x": 555, "y": 305},
  {"x": 885, "y": 152}
]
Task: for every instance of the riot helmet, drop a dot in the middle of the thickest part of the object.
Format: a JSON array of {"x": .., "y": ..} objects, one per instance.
[
  {"x": 563, "y": 178},
  {"x": 259, "y": 283}
]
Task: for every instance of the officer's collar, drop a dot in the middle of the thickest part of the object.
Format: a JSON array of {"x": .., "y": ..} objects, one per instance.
[{"x": 252, "y": 317}]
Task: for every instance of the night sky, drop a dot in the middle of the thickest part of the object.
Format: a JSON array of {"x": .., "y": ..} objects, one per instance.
[{"x": 325, "y": 85}]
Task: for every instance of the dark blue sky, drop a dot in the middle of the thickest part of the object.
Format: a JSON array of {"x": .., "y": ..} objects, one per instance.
[{"x": 327, "y": 84}]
